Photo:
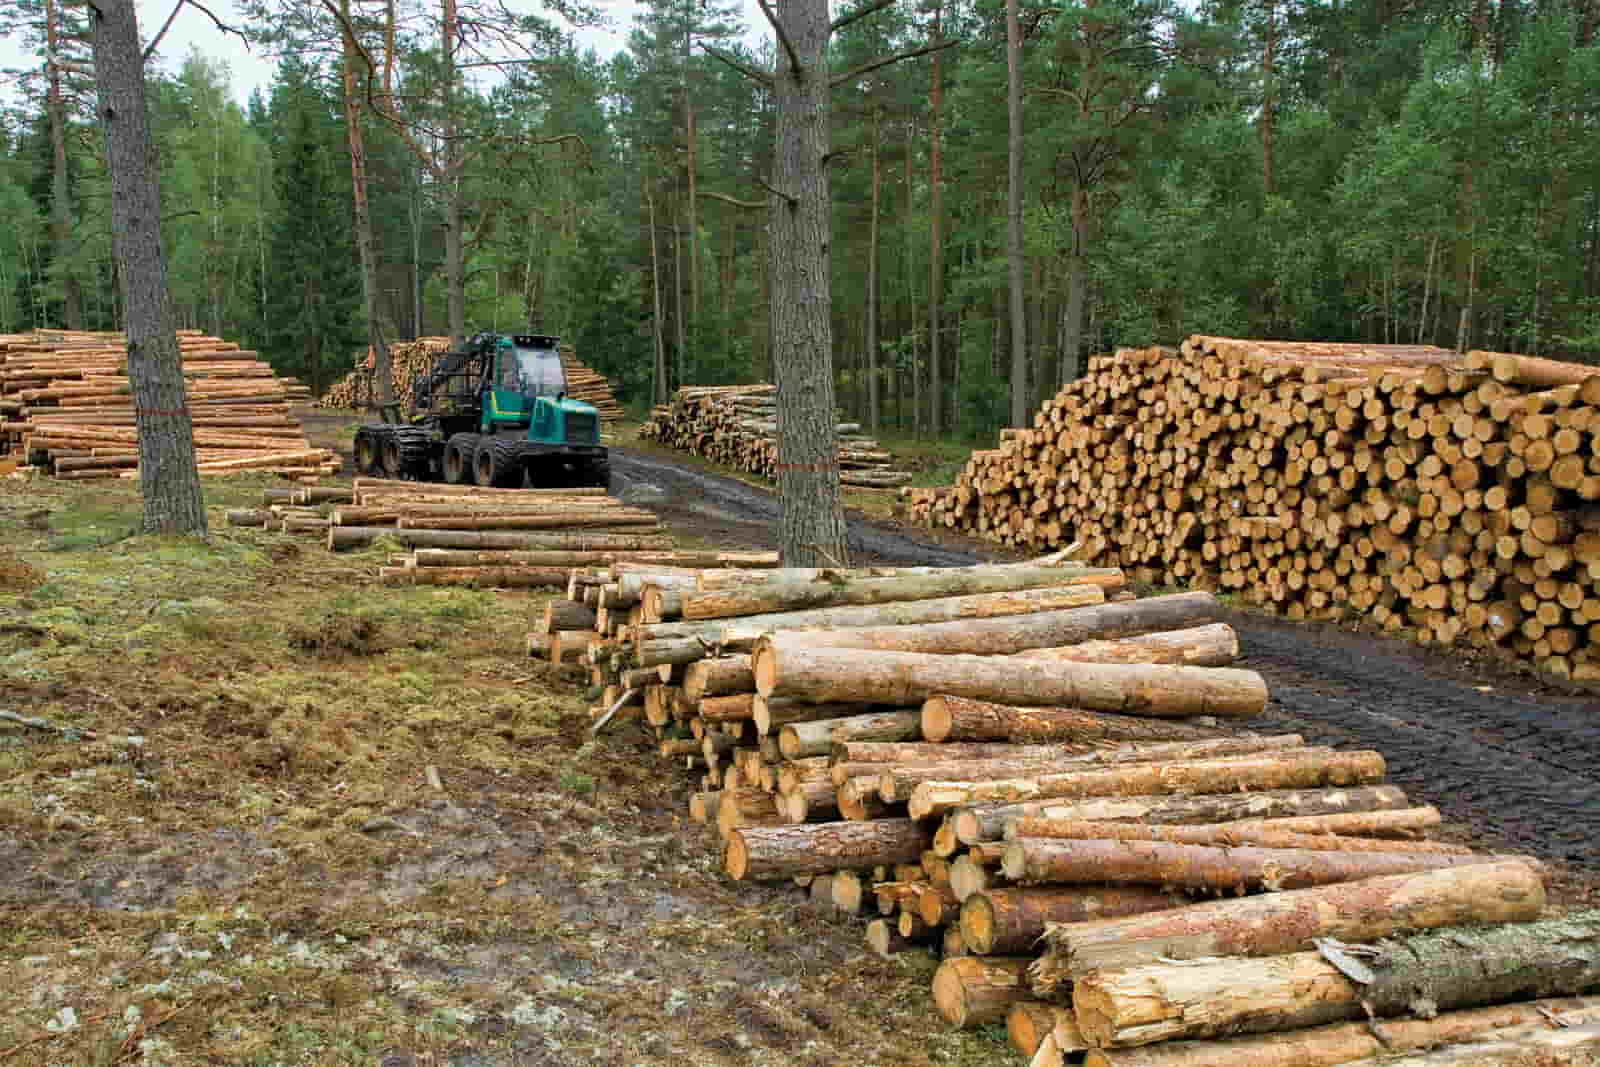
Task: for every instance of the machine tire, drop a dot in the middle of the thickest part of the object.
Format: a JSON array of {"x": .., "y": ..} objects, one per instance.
[
  {"x": 600, "y": 475},
  {"x": 405, "y": 453},
  {"x": 496, "y": 463},
  {"x": 368, "y": 451},
  {"x": 459, "y": 454}
]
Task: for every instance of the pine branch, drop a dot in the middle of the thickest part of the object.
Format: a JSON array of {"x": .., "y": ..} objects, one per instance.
[
  {"x": 783, "y": 39},
  {"x": 859, "y": 13},
  {"x": 760, "y": 77},
  {"x": 884, "y": 61},
  {"x": 748, "y": 205}
]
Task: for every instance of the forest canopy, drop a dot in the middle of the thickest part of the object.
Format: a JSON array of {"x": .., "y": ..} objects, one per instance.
[{"x": 1419, "y": 173}]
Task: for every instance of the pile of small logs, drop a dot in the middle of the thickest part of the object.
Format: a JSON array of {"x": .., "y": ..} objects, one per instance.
[
  {"x": 1046, "y": 788},
  {"x": 470, "y": 535},
  {"x": 413, "y": 360},
  {"x": 737, "y": 425},
  {"x": 1454, "y": 498},
  {"x": 66, "y": 406}
]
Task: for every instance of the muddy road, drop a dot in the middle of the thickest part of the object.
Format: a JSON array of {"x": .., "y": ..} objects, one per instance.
[{"x": 1511, "y": 765}]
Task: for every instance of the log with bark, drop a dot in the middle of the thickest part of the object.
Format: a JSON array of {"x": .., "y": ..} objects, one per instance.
[
  {"x": 1267, "y": 833},
  {"x": 779, "y": 852},
  {"x": 1012, "y": 921},
  {"x": 974, "y": 990},
  {"x": 951, "y": 718}
]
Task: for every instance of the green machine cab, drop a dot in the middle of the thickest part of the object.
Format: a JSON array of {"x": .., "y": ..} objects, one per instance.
[{"x": 494, "y": 413}]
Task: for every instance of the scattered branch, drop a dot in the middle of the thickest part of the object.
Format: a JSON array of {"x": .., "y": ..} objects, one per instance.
[
  {"x": 783, "y": 39},
  {"x": 71, "y": 733},
  {"x": 150, "y": 48},
  {"x": 785, "y": 197},
  {"x": 600, "y": 723},
  {"x": 884, "y": 61},
  {"x": 760, "y": 77},
  {"x": 748, "y": 205},
  {"x": 859, "y": 13},
  {"x": 223, "y": 26}
]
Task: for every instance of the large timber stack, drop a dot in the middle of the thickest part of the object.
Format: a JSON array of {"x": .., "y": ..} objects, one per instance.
[
  {"x": 1454, "y": 497},
  {"x": 413, "y": 360},
  {"x": 66, "y": 405},
  {"x": 737, "y": 425},
  {"x": 1072, "y": 820}
]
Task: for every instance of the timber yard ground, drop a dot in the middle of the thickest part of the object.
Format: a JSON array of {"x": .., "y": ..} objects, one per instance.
[{"x": 233, "y": 855}]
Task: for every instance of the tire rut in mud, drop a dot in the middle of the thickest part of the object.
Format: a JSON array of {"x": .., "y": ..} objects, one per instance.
[
  {"x": 728, "y": 511},
  {"x": 1518, "y": 770}
]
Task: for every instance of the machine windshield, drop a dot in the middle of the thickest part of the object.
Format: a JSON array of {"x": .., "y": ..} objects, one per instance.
[{"x": 533, "y": 371}]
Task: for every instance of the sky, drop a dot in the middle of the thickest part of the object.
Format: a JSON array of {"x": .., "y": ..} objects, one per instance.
[{"x": 252, "y": 69}]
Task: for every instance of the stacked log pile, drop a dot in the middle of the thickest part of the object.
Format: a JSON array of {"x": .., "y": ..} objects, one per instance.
[
  {"x": 1046, "y": 787},
  {"x": 737, "y": 425},
  {"x": 1455, "y": 498},
  {"x": 413, "y": 360},
  {"x": 66, "y": 406}
]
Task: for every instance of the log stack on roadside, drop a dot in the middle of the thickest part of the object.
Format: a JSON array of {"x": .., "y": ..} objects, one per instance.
[
  {"x": 1454, "y": 498},
  {"x": 413, "y": 360},
  {"x": 66, "y": 406},
  {"x": 1049, "y": 788},
  {"x": 737, "y": 425}
]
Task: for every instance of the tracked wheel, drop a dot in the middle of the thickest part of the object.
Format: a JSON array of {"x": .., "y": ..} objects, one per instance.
[{"x": 459, "y": 453}]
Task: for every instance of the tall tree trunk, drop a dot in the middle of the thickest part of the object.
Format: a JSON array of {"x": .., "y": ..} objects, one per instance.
[
  {"x": 812, "y": 528},
  {"x": 1014, "y": 252},
  {"x": 382, "y": 371},
  {"x": 678, "y": 317},
  {"x": 873, "y": 410},
  {"x": 936, "y": 235},
  {"x": 168, "y": 479},
  {"x": 655, "y": 305},
  {"x": 911, "y": 284},
  {"x": 1269, "y": 57},
  {"x": 1077, "y": 286},
  {"x": 455, "y": 264},
  {"x": 694, "y": 218},
  {"x": 60, "y": 192}
]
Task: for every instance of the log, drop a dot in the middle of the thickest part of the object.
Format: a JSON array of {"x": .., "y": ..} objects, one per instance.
[
  {"x": 1046, "y": 859},
  {"x": 1215, "y": 645},
  {"x": 703, "y": 805},
  {"x": 1578, "y": 1046},
  {"x": 801, "y": 739},
  {"x": 902, "y": 678},
  {"x": 1287, "y": 771},
  {"x": 779, "y": 852},
  {"x": 988, "y": 822},
  {"x": 481, "y": 577},
  {"x": 1011, "y": 921},
  {"x": 885, "y": 940},
  {"x": 1342, "y": 1043},
  {"x": 953, "y": 718},
  {"x": 1422, "y": 974},
  {"x": 357, "y": 536},
  {"x": 717, "y": 677},
  {"x": 892, "y": 752},
  {"x": 1268, "y": 833},
  {"x": 735, "y": 707},
  {"x": 567, "y": 615},
  {"x": 810, "y": 802},
  {"x": 1030, "y": 1023},
  {"x": 1278, "y": 923},
  {"x": 773, "y": 715},
  {"x": 600, "y": 520},
  {"x": 974, "y": 990},
  {"x": 771, "y": 597},
  {"x": 1041, "y": 629},
  {"x": 859, "y": 801},
  {"x": 897, "y": 782}
]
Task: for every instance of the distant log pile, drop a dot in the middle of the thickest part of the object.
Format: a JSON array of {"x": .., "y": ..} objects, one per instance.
[
  {"x": 413, "y": 360},
  {"x": 737, "y": 425},
  {"x": 1457, "y": 498},
  {"x": 66, "y": 405}
]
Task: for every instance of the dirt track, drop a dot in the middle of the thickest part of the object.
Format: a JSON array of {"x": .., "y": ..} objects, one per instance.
[{"x": 1510, "y": 764}]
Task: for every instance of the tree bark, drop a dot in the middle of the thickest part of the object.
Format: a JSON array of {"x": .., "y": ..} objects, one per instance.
[
  {"x": 798, "y": 740},
  {"x": 1199, "y": 646},
  {"x": 61, "y": 238},
  {"x": 1060, "y": 860},
  {"x": 936, "y": 235},
  {"x": 1279, "y": 923},
  {"x": 772, "y": 597},
  {"x": 1288, "y": 771},
  {"x": 1344, "y": 1043},
  {"x": 773, "y": 715},
  {"x": 169, "y": 481},
  {"x": 904, "y": 678},
  {"x": 1007, "y": 921},
  {"x": 1423, "y": 975},
  {"x": 947, "y": 718},
  {"x": 873, "y": 385},
  {"x": 816, "y": 848},
  {"x": 974, "y": 990},
  {"x": 1535, "y": 1047},
  {"x": 1077, "y": 287},
  {"x": 989, "y": 822},
  {"x": 1014, "y": 245},
  {"x": 811, "y": 526},
  {"x": 716, "y": 677},
  {"x": 1266, "y": 833},
  {"x": 659, "y": 381},
  {"x": 1030, "y": 1023},
  {"x": 1019, "y": 633},
  {"x": 382, "y": 366}
]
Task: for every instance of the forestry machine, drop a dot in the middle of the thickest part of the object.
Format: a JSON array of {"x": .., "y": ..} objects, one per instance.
[{"x": 494, "y": 413}]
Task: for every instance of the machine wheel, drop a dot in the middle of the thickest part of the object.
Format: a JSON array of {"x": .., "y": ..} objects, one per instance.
[
  {"x": 496, "y": 463},
  {"x": 405, "y": 453},
  {"x": 599, "y": 474},
  {"x": 368, "y": 452},
  {"x": 459, "y": 454}
]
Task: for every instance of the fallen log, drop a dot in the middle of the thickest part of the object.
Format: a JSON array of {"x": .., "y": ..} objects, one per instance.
[
  {"x": 1007, "y": 921},
  {"x": 482, "y": 577},
  {"x": 1287, "y": 771},
  {"x": 1343, "y": 1043},
  {"x": 1213, "y": 645},
  {"x": 953, "y": 718},
  {"x": 1056, "y": 860},
  {"x": 1422, "y": 974},
  {"x": 554, "y": 521},
  {"x": 715, "y": 677},
  {"x": 772, "y": 597},
  {"x": 815, "y": 848},
  {"x": 1040, "y": 629},
  {"x": 772, "y": 715},
  {"x": 357, "y": 536},
  {"x": 567, "y": 615},
  {"x": 974, "y": 990},
  {"x": 1578, "y": 1046},
  {"x": 902, "y": 678},
  {"x": 1278, "y": 923},
  {"x": 798, "y": 740},
  {"x": 1268, "y": 833}
]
